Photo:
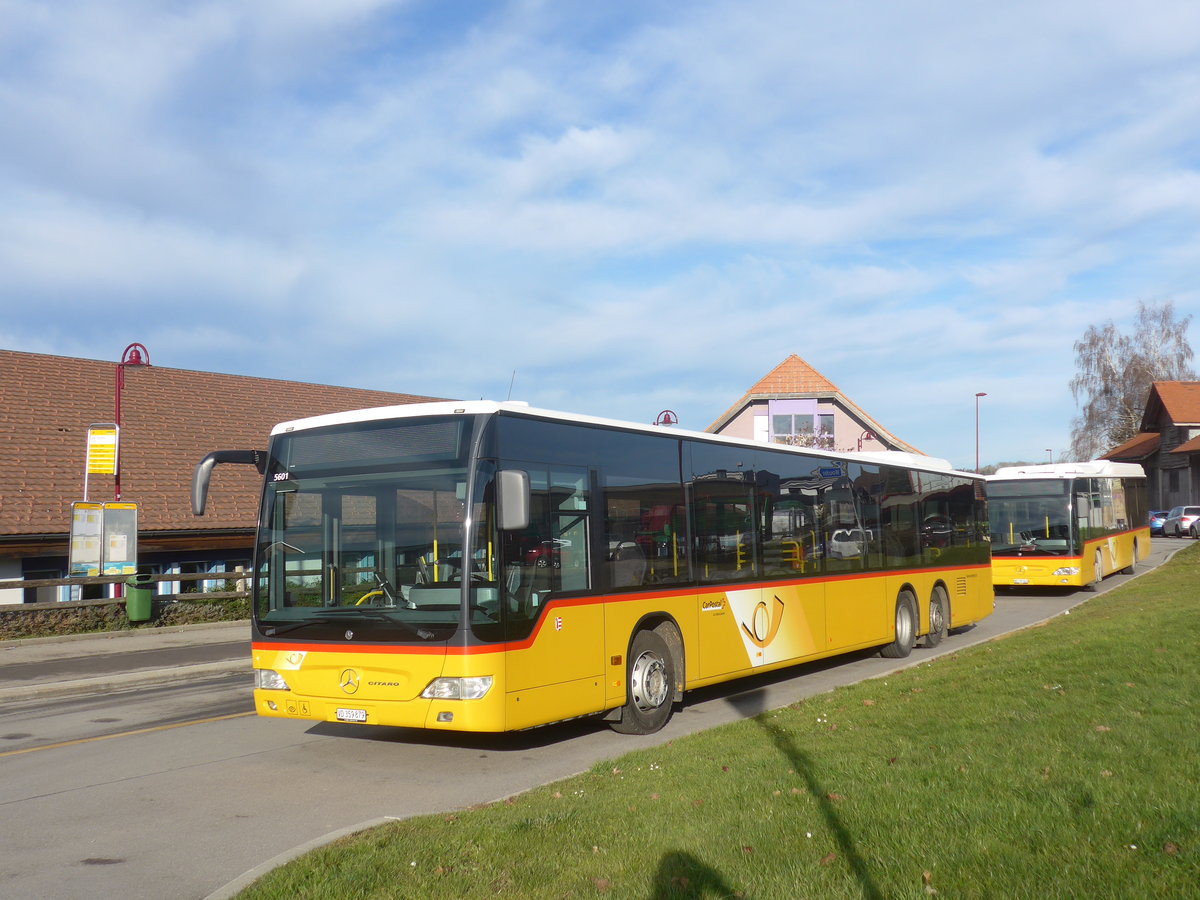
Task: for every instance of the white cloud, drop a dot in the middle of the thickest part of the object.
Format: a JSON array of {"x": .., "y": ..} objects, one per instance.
[{"x": 634, "y": 206}]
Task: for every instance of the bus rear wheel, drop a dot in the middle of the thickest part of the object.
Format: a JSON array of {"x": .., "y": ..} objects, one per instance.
[
  {"x": 939, "y": 617},
  {"x": 906, "y": 627},
  {"x": 651, "y": 685}
]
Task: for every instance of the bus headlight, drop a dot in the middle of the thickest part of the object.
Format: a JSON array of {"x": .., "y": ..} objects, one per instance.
[
  {"x": 269, "y": 680},
  {"x": 458, "y": 688},
  {"x": 1067, "y": 570}
]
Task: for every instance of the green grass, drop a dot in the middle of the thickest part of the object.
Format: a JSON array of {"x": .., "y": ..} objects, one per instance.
[{"x": 1062, "y": 761}]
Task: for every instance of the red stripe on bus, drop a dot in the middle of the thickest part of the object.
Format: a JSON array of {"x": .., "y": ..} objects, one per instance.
[{"x": 568, "y": 602}]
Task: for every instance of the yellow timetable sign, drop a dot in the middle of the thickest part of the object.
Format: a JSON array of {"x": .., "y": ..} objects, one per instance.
[{"x": 102, "y": 450}]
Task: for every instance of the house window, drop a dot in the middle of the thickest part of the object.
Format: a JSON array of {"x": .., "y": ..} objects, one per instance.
[
  {"x": 804, "y": 429},
  {"x": 792, "y": 425},
  {"x": 1173, "y": 480}
]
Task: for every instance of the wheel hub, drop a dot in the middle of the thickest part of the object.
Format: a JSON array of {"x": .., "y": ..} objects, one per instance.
[{"x": 649, "y": 682}]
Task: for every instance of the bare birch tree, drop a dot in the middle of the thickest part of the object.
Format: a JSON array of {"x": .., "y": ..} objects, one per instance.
[{"x": 1114, "y": 371}]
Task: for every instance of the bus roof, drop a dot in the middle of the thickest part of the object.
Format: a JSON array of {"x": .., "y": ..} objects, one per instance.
[
  {"x": 516, "y": 407},
  {"x": 1096, "y": 468}
]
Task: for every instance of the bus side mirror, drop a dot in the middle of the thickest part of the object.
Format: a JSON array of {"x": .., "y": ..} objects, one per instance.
[
  {"x": 203, "y": 472},
  {"x": 512, "y": 500}
]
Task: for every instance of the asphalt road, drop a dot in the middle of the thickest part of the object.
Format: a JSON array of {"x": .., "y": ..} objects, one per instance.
[{"x": 176, "y": 790}]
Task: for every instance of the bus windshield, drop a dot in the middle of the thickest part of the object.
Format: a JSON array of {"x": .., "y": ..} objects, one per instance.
[
  {"x": 1031, "y": 517},
  {"x": 363, "y": 535}
]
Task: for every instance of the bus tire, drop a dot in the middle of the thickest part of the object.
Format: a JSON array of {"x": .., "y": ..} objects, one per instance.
[
  {"x": 1128, "y": 570},
  {"x": 939, "y": 617},
  {"x": 650, "y": 681},
  {"x": 906, "y": 628},
  {"x": 1097, "y": 575}
]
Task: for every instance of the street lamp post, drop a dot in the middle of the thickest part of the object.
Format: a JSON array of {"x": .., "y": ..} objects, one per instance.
[
  {"x": 133, "y": 355},
  {"x": 977, "y": 396}
]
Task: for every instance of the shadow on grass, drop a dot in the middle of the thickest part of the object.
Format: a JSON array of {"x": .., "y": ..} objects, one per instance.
[
  {"x": 681, "y": 876},
  {"x": 803, "y": 766}
]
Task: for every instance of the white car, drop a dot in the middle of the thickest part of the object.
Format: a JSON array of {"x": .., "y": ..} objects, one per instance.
[
  {"x": 1181, "y": 522},
  {"x": 847, "y": 543}
]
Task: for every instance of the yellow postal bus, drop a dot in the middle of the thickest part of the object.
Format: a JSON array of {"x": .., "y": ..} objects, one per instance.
[
  {"x": 1067, "y": 524},
  {"x": 487, "y": 566}
]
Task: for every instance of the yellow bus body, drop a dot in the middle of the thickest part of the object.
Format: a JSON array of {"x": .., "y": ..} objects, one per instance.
[
  {"x": 1113, "y": 553},
  {"x": 574, "y": 663}
]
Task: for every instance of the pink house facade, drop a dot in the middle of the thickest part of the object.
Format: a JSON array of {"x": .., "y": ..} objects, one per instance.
[{"x": 796, "y": 404}]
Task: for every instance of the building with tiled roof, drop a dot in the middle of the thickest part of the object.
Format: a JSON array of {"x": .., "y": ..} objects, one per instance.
[
  {"x": 1168, "y": 444},
  {"x": 169, "y": 420},
  {"x": 794, "y": 403}
]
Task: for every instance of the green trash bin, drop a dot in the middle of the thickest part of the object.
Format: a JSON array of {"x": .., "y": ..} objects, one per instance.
[{"x": 139, "y": 597}]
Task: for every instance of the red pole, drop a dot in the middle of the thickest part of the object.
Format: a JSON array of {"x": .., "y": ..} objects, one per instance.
[
  {"x": 977, "y": 396},
  {"x": 117, "y": 419},
  {"x": 133, "y": 355}
]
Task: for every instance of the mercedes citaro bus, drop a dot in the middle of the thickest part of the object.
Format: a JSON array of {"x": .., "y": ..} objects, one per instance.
[
  {"x": 488, "y": 566},
  {"x": 1067, "y": 524}
]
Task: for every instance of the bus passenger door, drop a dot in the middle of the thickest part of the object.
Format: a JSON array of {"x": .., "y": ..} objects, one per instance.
[
  {"x": 742, "y": 534},
  {"x": 856, "y": 603},
  {"x": 554, "y": 660}
]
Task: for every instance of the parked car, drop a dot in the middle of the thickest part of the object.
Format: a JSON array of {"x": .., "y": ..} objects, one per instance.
[
  {"x": 935, "y": 532},
  {"x": 547, "y": 553},
  {"x": 1157, "y": 517},
  {"x": 848, "y": 543},
  {"x": 1181, "y": 522}
]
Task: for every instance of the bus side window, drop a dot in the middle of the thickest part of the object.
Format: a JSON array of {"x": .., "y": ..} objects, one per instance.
[
  {"x": 644, "y": 539},
  {"x": 723, "y": 529},
  {"x": 899, "y": 511}
]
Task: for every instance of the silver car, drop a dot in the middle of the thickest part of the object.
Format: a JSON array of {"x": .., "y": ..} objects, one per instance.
[{"x": 1181, "y": 521}]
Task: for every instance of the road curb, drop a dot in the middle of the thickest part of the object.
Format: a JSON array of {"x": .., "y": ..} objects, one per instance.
[
  {"x": 124, "y": 681},
  {"x": 243, "y": 881}
]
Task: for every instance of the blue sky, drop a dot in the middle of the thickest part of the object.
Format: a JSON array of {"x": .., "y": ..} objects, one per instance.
[{"x": 631, "y": 205}]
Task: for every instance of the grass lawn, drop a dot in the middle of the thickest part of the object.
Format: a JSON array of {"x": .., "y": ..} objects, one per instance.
[{"x": 1062, "y": 761}]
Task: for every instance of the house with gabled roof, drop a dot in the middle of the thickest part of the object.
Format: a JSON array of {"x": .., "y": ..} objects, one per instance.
[
  {"x": 169, "y": 420},
  {"x": 1167, "y": 445},
  {"x": 796, "y": 404}
]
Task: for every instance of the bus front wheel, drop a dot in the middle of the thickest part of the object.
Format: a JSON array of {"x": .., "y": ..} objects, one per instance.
[
  {"x": 1137, "y": 552},
  {"x": 906, "y": 627},
  {"x": 651, "y": 685},
  {"x": 1098, "y": 575}
]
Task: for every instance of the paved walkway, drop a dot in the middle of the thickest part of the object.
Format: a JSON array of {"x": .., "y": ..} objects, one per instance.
[{"x": 86, "y": 663}]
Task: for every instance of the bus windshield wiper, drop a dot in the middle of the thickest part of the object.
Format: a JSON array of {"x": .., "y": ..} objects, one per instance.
[{"x": 332, "y": 615}]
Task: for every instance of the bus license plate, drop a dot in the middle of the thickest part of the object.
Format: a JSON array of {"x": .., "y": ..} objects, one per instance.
[
  {"x": 350, "y": 715},
  {"x": 1020, "y": 581}
]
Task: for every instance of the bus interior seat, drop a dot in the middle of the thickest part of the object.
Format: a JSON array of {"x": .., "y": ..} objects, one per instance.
[
  {"x": 525, "y": 587},
  {"x": 628, "y": 565}
]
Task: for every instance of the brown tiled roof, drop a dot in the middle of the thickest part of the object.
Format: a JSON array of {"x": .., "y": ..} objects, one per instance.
[
  {"x": 1136, "y": 448},
  {"x": 1179, "y": 401},
  {"x": 1192, "y": 446},
  {"x": 795, "y": 378},
  {"x": 170, "y": 418}
]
